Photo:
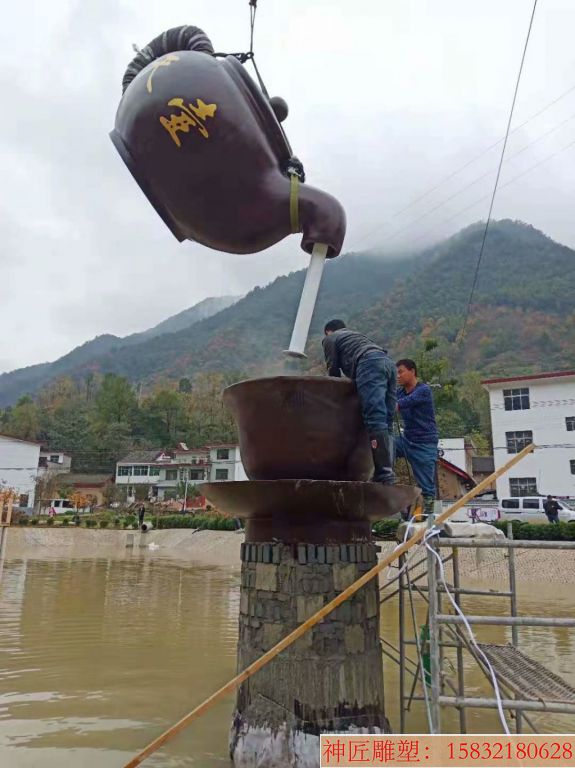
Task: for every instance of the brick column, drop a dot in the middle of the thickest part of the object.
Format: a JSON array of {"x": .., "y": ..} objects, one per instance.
[{"x": 331, "y": 680}]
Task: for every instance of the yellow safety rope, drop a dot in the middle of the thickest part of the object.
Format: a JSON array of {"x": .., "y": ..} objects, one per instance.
[{"x": 294, "y": 203}]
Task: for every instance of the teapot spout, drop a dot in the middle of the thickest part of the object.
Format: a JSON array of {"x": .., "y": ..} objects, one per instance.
[{"x": 321, "y": 220}]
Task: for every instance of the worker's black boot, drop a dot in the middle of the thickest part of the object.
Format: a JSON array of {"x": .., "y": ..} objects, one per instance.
[{"x": 382, "y": 452}]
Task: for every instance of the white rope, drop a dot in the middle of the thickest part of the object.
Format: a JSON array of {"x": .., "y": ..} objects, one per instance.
[
  {"x": 433, "y": 531},
  {"x": 403, "y": 568},
  {"x": 408, "y": 559}
]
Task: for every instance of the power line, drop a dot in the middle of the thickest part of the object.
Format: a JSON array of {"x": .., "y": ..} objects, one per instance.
[
  {"x": 478, "y": 265},
  {"x": 485, "y": 197},
  {"x": 472, "y": 183},
  {"x": 470, "y": 162}
]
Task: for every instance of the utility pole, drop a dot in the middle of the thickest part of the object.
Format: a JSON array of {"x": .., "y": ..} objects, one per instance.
[{"x": 185, "y": 493}]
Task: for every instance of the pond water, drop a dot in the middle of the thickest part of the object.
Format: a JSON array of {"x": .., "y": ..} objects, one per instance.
[{"x": 99, "y": 655}]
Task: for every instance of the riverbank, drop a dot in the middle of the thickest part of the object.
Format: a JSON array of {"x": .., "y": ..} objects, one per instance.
[
  {"x": 222, "y": 548},
  {"x": 218, "y": 548}
]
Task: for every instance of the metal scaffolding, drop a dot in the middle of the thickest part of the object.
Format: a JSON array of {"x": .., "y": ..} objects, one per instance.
[{"x": 525, "y": 684}]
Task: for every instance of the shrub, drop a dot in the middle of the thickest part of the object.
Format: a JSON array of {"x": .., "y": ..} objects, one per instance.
[
  {"x": 34, "y": 521},
  {"x": 91, "y": 523},
  {"x": 50, "y": 521},
  {"x": 23, "y": 520},
  {"x": 65, "y": 521},
  {"x": 386, "y": 529},
  {"x": 203, "y": 522},
  {"x": 541, "y": 532},
  {"x": 129, "y": 520},
  {"x": 104, "y": 523},
  {"x": 175, "y": 521}
]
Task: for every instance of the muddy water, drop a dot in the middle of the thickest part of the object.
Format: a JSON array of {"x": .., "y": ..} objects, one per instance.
[{"x": 99, "y": 655}]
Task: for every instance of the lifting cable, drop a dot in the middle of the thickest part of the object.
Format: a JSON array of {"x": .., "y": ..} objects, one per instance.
[
  {"x": 250, "y": 55},
  {"x": 293, "y": 168}
]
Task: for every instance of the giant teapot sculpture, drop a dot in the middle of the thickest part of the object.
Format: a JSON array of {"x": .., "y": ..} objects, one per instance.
[{"x": 208, "y": 151}]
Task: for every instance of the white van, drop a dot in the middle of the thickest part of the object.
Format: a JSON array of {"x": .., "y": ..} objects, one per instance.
[
  {"x": 60, "y": 506},
  {"x": 529, "y": 509}
]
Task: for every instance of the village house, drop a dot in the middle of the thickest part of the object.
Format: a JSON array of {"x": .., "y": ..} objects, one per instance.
[
  {"x": 93, "y": 486},
  {"x": 452, "y": 481},
  {"x": 481, "y": 468},
  {"x": 537, "y": 409},
  {"x": 53, "y": 462},
  {"x": 163, "y": 473},
  {"x": 458, "y": 451},
  {"x": 19, "y": 467}
]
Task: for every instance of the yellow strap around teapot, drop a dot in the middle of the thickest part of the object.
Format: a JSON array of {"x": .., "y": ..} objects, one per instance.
[{"x": 294, "y": 203}]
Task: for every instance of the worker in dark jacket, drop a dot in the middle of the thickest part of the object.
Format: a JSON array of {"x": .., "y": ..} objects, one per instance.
[
  {"x": 418, "y": 443},
  {"x": 375, "y": 376}
]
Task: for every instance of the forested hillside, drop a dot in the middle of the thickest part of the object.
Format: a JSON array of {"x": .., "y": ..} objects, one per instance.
[{"x": 168, "y": 388}]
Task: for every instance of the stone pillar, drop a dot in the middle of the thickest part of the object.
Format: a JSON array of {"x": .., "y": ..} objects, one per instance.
[{"x": 331, "y": 680}]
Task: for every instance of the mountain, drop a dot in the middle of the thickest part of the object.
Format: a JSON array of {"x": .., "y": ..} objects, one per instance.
[
  {"x": 31, "y": 379},
  {"x": 185, "y": 319},
  {"x": 251, "y": 334},
  {"x": 521, "y": 319}
]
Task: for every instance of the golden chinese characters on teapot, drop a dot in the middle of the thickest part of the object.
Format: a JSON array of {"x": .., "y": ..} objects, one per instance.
[{"x": 190, "y": 116}]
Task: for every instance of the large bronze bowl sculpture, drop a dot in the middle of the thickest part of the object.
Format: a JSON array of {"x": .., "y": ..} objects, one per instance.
[
  {"x": 300, "y": 427},
  {"x": 312, "y": 511},
  {"x": 207, "y": 149}
]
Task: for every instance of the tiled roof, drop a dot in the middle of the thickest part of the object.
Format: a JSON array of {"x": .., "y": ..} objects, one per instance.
[
  {"x": 142, "y": 456},
  {"x": 532, "y": 377},
  {"x": 456, "y": 470},
  {"x": 19, "y": 440},
  {"x": 85, "y": 479}
]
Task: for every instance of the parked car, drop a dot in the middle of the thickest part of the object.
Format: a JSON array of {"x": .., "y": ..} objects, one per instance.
[
  {"x": 529, "y": 509},
  {"x": 60, "y": 506}
]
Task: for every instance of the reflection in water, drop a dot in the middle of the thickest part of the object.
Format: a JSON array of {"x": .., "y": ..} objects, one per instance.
[
  {"x": 554, "y": 647},
  {"x": 98, "y": 656}
]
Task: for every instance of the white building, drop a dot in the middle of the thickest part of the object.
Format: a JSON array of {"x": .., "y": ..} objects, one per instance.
[
  {"x": 538, "y": 409},
  {"x": 54, "y": 462},
  {"x": 19, "y": 467},
  {"x": 226, "y": 462},
  {"x": 458, "y": 451},
  {"x": 165, "y": 471}
]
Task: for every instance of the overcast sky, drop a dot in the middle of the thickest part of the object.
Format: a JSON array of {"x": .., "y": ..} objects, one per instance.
[{"x": 387, "y": 98}]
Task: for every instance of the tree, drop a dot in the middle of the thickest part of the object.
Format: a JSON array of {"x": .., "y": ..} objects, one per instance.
[
  {"x": 114, "y": 493},
  {"x": 62, "y": 392},
  {"x": 475, "y": 398},
  {"x": 113, "y": 440},
  {"x": 208, "y": 419},
  {"x": 115, "y": 401},
  {"x": 80, "y": 500},
  {"x": 69, "y": 428},
  {"x": 165, "y": 415},
  {"x": 47, "y": 487},
  {"x": 24, "y": 419},
  {"x": 481, "y": 442}
]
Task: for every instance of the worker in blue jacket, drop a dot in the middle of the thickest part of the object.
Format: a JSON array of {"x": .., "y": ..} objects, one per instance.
[{"x": 418, "y": 442}]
